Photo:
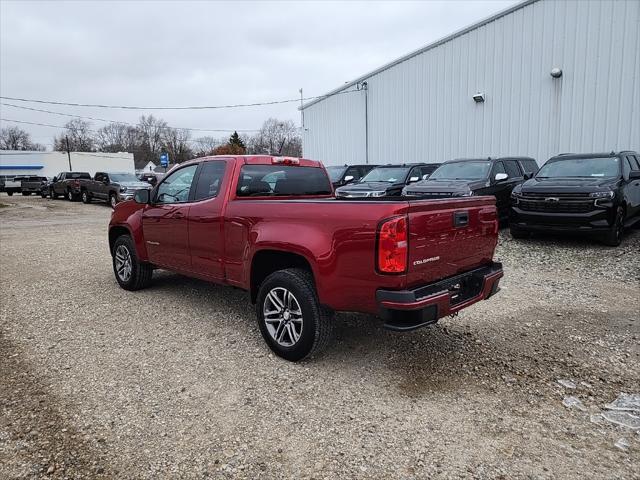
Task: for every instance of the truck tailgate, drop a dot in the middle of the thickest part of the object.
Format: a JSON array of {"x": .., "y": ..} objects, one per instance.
[{"x": 449, "y": 237}]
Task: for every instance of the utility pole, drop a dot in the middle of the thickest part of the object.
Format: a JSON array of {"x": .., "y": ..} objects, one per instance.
[
  {"x": 301, "y": 110},
  {"x": 68, "y": 153}
]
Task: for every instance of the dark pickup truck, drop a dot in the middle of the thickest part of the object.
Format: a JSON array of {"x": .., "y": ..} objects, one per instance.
[
  {"x": 271, "y": 226},
  {"x": 111, "y": 187},
  {"x": 387, "y": 180},
  {"x": 595, "y": 194},
  {"x": 67, "y": 184}
]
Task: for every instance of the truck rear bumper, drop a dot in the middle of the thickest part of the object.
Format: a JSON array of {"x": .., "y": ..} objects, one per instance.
[{"x": 405, "y": 310}]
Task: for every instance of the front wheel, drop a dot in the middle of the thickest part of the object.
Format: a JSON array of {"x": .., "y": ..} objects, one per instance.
[
  {"x": 53, "y": 194},
  {"x": 613, "y": 237},
  {"x": 10, "y": 194},
  {"x": 85, "y": 197},
  {"x": 130, "y": 272},
  {"x": 290, "y": 317},
  {"x": 70, "y": 196},
  {"x": 43, "y": 194}
]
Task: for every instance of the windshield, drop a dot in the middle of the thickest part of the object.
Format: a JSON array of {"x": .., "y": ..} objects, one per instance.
[
  {"x": 123, "y": 177},
  {"x": 580, "y": 167},
  {"x": 335, "y": 173},
  {"x": 391, "y": 175},
  {"x": 462, "y": 171},
  {"x": 272, "y": 180}
]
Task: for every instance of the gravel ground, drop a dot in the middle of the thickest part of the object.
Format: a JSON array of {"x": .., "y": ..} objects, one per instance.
[{"x": 175, "y": 381}]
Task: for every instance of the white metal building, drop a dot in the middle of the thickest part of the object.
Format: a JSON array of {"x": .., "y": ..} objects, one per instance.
[
  {"x": 49, "y": 164},
  {"x": 421, "y": 107}
]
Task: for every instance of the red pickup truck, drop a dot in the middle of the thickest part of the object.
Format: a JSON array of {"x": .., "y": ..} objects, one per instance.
[{"x": 271, "y": 226}]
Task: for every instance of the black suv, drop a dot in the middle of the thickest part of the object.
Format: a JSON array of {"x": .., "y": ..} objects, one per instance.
[
  {"x": 387, "y": 180},
  {"x": 476, "y": 176},
  {"x": 597, "y": 193},
  {"x": 343, "y": 174}
]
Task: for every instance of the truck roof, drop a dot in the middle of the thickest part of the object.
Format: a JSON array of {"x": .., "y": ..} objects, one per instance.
[{"x": 262, "y": 160}]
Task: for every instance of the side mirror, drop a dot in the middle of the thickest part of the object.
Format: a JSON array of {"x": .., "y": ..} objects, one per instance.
[
  {"x": 528, "y": 175},
  {"x": 54, "y": 179},
  {"x": 501, "y": 177},
  {"x": 634, "y": 175},
  {"x": 142, "y": 196},
  {"x": 105, "y": 181},
  {"x": 413, "y": 179},
  {"x": 348, "y": 179}
]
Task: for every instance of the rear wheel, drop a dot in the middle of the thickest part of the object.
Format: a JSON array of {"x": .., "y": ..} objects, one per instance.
[
  {"x": 43, "y": 194},
  {"x": 10, "y": 194},
  {"x": 86, "y": 198},
  {"x": 613, "y": 237},
  {"x": 130, "y": 272},
  {"x": 290, "y": 317},
  {"x": 70, "y": 196}
]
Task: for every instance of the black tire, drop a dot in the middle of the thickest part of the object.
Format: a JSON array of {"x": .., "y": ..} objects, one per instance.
[
  {"x": 140, "y": 275},
  {"x": 70, "y": 196},
  {"x": 113, "y": 200},
  {"x": 613, "y": 237},
  {"x": 518, "y": 233},
  {"x": 26, "y": 194},
  {"x": 86, "y": 198},
  {"x": 316, "y": 321},
  {"x": 43, "y": 194},
  {"x": 53, "y": 194},
  {"x": 10, "y": 194}
]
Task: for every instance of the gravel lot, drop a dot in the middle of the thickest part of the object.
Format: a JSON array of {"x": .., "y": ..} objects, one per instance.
[{"x": 175, "y": 381}]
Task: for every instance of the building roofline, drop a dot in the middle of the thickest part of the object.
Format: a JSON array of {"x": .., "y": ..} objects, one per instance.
[{"x": 415, "y": 53}]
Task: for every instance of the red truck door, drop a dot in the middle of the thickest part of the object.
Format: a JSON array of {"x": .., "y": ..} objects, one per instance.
[
  {"x": 206, "y": 216},
  {"x": 165, "y": 220}
]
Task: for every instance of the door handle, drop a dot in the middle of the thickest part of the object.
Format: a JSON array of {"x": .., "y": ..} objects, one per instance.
[{"x": 178, "y": 215}]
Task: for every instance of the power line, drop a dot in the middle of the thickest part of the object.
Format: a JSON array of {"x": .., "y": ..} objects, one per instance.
[
  {"x": 125, "y": 123},
  {"x": 191, "y": 107}
]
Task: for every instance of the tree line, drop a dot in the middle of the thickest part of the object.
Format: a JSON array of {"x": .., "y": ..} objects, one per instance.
[{"x": 152, "y": 136}]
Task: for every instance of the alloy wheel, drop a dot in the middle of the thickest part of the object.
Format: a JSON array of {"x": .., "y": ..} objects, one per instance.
[
  {"x": 283, "y": 316},
  {"x": 123, "y": 263}
]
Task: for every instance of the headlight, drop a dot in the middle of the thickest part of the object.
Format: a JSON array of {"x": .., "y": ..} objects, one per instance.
[
  {"x": 602, "y": 195},
  {"x": 123, "y": 189},
  {"x": 465, "y": 194},
  {"x": 380, "y": 193}
]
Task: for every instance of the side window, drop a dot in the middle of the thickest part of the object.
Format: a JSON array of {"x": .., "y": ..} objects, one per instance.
[
  {"x": 626, "y": 167},
  {"x": 354, "y": 172},
  {"x": 176, "y": 187},
  {"x": 513, "y": 169},
  {"x": 105, "y": 177},
  {"x": 61, "y": 176},
  {"x": 498, "y": 167},
  {"x": 415, "y": 172},
  {"x": 637, "y": 164},
  {"x": 529, "y": 166},
  {"x": 98, "y": 177},
  {"x": 209, "y": 180}
]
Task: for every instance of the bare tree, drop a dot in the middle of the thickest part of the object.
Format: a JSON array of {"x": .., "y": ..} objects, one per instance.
[
  {"x": 80, "y": 137},
  {"x": 204, "y": 146},
  {"x": 176, "y": 142},
  {"x": 14, "y": 138},
  {"x": 152, "y": 130},
  {"x": 117, "y": 137},
  {"x": 277, "y": 137}
]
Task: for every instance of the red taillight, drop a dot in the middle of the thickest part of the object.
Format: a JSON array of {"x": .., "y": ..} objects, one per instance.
[{"x": 393, "y": 245}]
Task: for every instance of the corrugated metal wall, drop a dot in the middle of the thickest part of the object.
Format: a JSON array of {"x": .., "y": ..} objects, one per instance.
[{"x": 421, "y": 109}]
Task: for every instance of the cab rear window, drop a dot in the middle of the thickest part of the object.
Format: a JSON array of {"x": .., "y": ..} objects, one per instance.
[{"x": 282, "y": 180}]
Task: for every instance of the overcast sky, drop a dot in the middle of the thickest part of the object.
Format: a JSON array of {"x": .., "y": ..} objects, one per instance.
[{"x": 205, "y": 53}]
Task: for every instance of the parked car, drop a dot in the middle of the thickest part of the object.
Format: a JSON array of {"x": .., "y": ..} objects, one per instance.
[
  {"x": 13, "y": 184},
  {"x": 344, "y": 174},
  {"x": 150, "y": 177},
  {"x": 476, "y": 176},
  {"x": 112, "y": 187},
  {"x": 303, "y": 254},
  {"x": 387, "y": 180},
  {"x": 31, "y": 184},
  {"x": 593, "y": 193},
  {"x": 67, "y": 184}
]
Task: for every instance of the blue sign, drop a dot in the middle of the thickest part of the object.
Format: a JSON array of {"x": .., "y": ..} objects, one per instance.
[{"x": 164, "y": 160}]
